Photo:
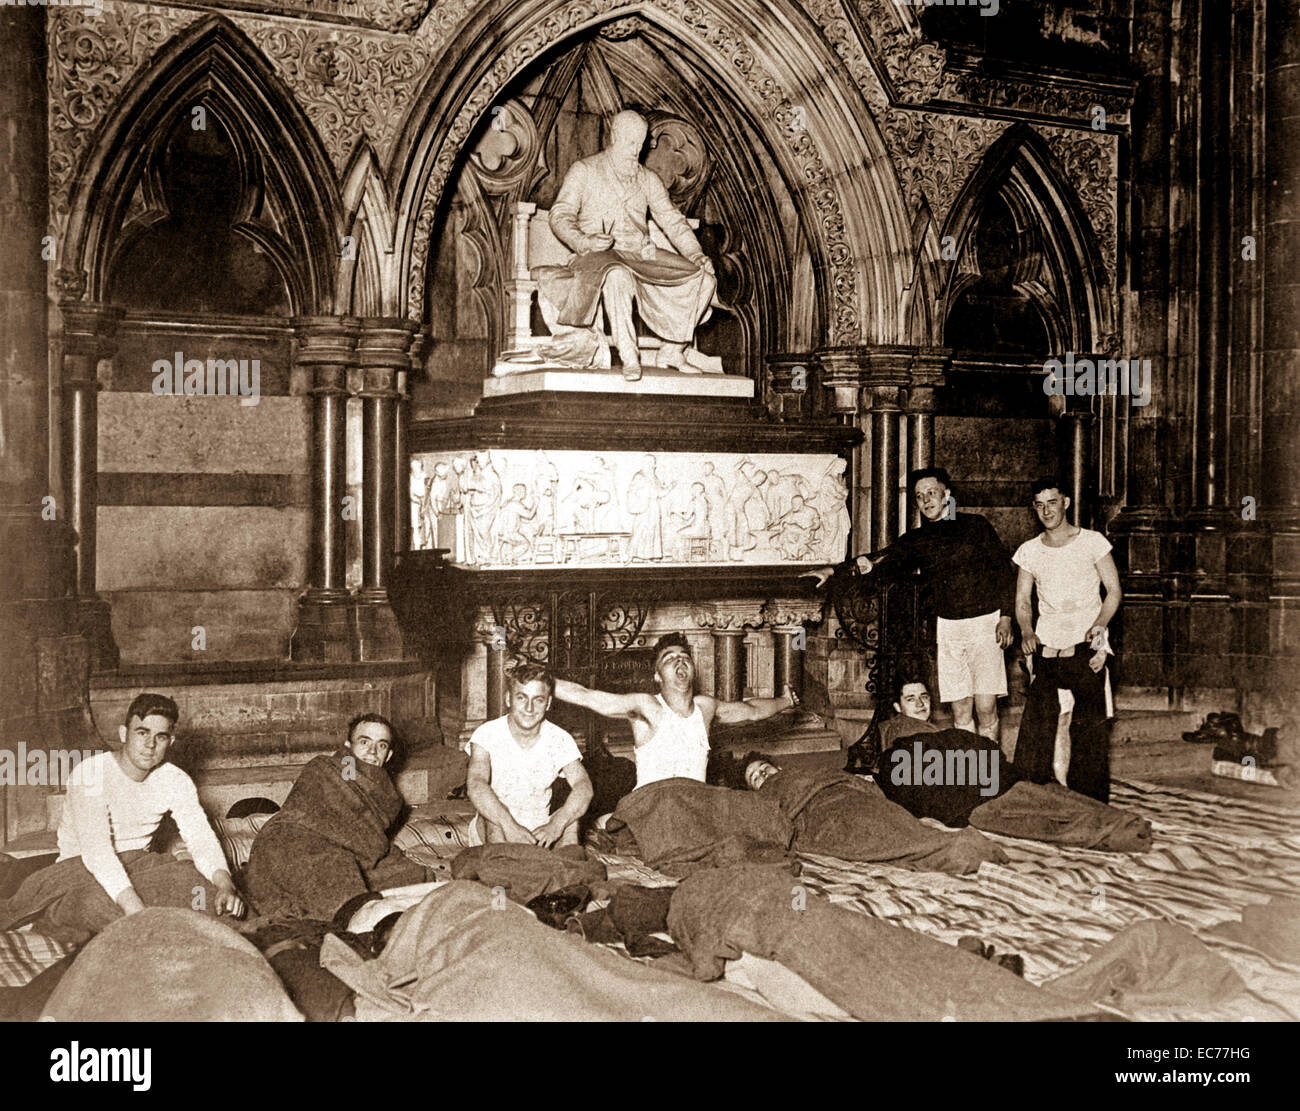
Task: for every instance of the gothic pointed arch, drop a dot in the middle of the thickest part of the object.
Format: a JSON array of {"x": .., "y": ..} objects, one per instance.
[
  {"x": 770, "y": 62},
  {"x": 1019, "y": 207},
  {"x": 285, "y": 199}
]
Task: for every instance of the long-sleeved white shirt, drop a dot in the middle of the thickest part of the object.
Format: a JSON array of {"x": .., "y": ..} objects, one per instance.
[{"x": 107, "y": 812}]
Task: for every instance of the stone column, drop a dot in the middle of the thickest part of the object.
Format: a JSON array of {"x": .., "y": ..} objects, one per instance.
[
  {"x": 44, "y": 663},
  {"x": 726, "y": 621},
  {"x": 787, "y": 618},
  {"x": 382, "y": 353},
  {"x": 1279, "y": 248},
  {"x": 327, "y": 347},
  {"x": 88, "y": 331},
  {"x": 1076, "y": 464}
]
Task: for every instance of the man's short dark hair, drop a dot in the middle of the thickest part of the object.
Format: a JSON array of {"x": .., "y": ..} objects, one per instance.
[
  {"x": 1047, "y": 482},
  {"x": 939, "y": 473},
  {"x": 377, "y": 719},
  {"x": 532, "y": 673},
  {"x": 906, "y": 679},
  {"x": 143, "y": 705},
  {"x": 670, "y": 640}
]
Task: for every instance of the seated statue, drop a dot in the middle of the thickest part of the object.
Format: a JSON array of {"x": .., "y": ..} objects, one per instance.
[{"x": 602, "y": 215}]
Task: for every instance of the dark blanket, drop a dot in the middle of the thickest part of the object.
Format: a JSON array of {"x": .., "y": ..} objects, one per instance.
[
  {"x": 459, "y": 956},
  {"x": 67, "y": 903},
  {"x": 838, "y": 814},
  {"x": 951, "y": 796},
  {"x": 873, "y": 970},
  {"x": 329, "y": 842},
  {"x": 1052, "y": 813},
  {"x": 527, "y": 871},
  {"x": 681, "y": 825},
  {"x": 169, "y": 965}
]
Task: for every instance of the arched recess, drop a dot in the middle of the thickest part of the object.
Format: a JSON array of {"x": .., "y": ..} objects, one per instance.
[
  {"x": 765, "y": 57},
  {"x": 366, "y": 282},
  {"x": 1062, "y": 275},
  {"x": 290, "y": 208}
]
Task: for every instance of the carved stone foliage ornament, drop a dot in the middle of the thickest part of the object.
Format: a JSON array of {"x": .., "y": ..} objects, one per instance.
[
  {"x": 935, "y": 154},
  {"x": 774, "y": 104},
  {"x": 398, "y": 16},
  {"x": 92, "y": 57},
  {"x": 1090, "y": 163},
  {"x": 511, "y": 508}
]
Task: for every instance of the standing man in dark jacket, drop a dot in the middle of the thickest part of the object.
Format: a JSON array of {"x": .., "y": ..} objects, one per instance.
[{"x": 968, "y": 568}]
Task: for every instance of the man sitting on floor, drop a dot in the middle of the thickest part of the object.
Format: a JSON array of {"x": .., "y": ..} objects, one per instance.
[
  {"x": 837, "y": 814},
  {"x": 328, "y": 846},
  {"x": 961, "y": 778},
  {"x": 671, "y": 729},
  {"x": 513, "y": 760},
  {"x": 114, "y": 805}
]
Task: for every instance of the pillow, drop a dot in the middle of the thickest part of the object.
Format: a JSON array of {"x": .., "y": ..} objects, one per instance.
[
  {"x": 236, "y": 837},
  {"x": 440, "y": 837}
]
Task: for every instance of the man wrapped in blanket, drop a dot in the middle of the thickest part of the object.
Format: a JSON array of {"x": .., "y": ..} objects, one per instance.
[
  {"x": 961, "y": 778},
  {"x": 329, "y": 844}
]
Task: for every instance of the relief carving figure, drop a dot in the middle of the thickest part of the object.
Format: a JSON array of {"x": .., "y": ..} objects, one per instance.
[
  {"x": 736, "y": 528},
  {"x": 546, "y": 484},
  {"x": 511, "y": 542},
  {"x": 592, "y": 491},
  {"x": 645, "y": 504},
  {"x": 443, "y": 502},
  {"x": 601, "y": 214},
  {"x": 833, "y": 505},
  {"x": 697, "y": 523},
  {"x": 794, "y": 533},
  {"x": 780, "y": 491},
  {"x": 481, "y": 495}
]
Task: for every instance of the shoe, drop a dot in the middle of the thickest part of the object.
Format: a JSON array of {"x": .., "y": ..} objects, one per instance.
[{"x": 631, "y": 373}]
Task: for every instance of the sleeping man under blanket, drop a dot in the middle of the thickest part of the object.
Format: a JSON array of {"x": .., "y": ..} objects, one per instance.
[{"x": 329, "y": 844}]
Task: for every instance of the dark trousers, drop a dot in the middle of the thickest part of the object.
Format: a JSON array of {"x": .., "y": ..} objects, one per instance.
[{"x": 1089, "y": 771}]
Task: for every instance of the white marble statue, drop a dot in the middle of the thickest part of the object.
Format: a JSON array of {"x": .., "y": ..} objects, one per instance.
[{"x": 602, "y": 215}]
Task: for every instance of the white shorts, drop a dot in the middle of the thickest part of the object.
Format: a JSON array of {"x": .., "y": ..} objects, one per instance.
[{"x": 969, "y": 657}]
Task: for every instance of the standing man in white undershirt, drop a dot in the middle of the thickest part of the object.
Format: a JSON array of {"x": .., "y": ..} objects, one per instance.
[
  {"x": 1069, "y": 567},
  {"x": 671, "y": 729}
]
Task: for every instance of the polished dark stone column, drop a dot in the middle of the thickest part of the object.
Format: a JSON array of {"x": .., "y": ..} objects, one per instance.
[
  {"x": 928, "y": 375},
  {"x": 382, "y": 354},
  {"x": 327, "y": 348}
]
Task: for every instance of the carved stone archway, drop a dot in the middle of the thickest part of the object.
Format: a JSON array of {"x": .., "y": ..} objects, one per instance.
[{"x": 814, "y": 120}]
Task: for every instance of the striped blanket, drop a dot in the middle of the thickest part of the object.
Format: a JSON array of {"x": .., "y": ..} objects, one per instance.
[{"x": 1213, "y": 857}]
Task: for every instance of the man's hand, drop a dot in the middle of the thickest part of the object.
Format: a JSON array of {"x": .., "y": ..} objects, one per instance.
[
  {"x": 1098, "y": 660},
  {"x": 821, "y": 574},
  {"x": 518, "y": 835},
  {"x": 228, "y": 900},
  {"x": 130, "y": 901},
  {"x": 1004, "y": 632},
  {"x": 864, "y": 565},
  {"x": 547, "y": 835},
  {"x": 1029, "y": 644},
  {"x": 792, "y": 696},
  {"x": 599, "y": 242}
]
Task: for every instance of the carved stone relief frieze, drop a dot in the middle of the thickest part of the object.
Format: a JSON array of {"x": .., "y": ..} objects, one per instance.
[
  {"x": 1090, "y": 164},
  {"x": 936, "y": 153},
  {"x": 507, "y": 508}
]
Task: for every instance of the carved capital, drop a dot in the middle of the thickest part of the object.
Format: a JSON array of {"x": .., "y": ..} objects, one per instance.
[
  {"x": 326, "y": 341},
  {"x": 89, "y": 328},
  {"x": 731, "y": 616},
  {"x": 787, "y": 614}
]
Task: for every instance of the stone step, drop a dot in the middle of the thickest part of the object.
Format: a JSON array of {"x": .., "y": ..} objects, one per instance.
[{"x": 1149, "y": 758}]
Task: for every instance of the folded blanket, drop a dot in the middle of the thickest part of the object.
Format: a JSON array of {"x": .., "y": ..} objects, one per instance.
[
  {"x": 681, "y": 825},
  {"x": 329, "y": 842},
  {"x": 1052, "y": 813},
  {"x": 527, "y": 871},
  {"x": 951, "y": 783},
  {"x": 837, "y": 814},
  {"x": 1152, "y": 964},
  {"x": 67, "y": 903},
  {"x": 456, "y": 957},
  {"x": 870, "y": 968},
  {"x": 169, "y": 965},
  {"x": 1273, "y": 928}
]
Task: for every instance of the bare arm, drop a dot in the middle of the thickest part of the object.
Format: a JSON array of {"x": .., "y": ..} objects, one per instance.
[
  {"x": 478, "y": 786},
  {"x": 752, "y": 709},
  {"x": 1114, "y": 594},
  {"x": 575, "y": 806},
  {"x": 602, "y": 702},
  {"x": 1025, "y": 611}
]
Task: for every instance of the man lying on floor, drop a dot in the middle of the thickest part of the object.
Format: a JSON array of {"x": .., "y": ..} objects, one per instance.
[
  {"x": 962, "y": 778},
  {"x": 114, "y": 805},
  {"x": 837, "y": 814},
  {"x": 329, "y": 843},
  {"x": 513, "y": 760}
]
